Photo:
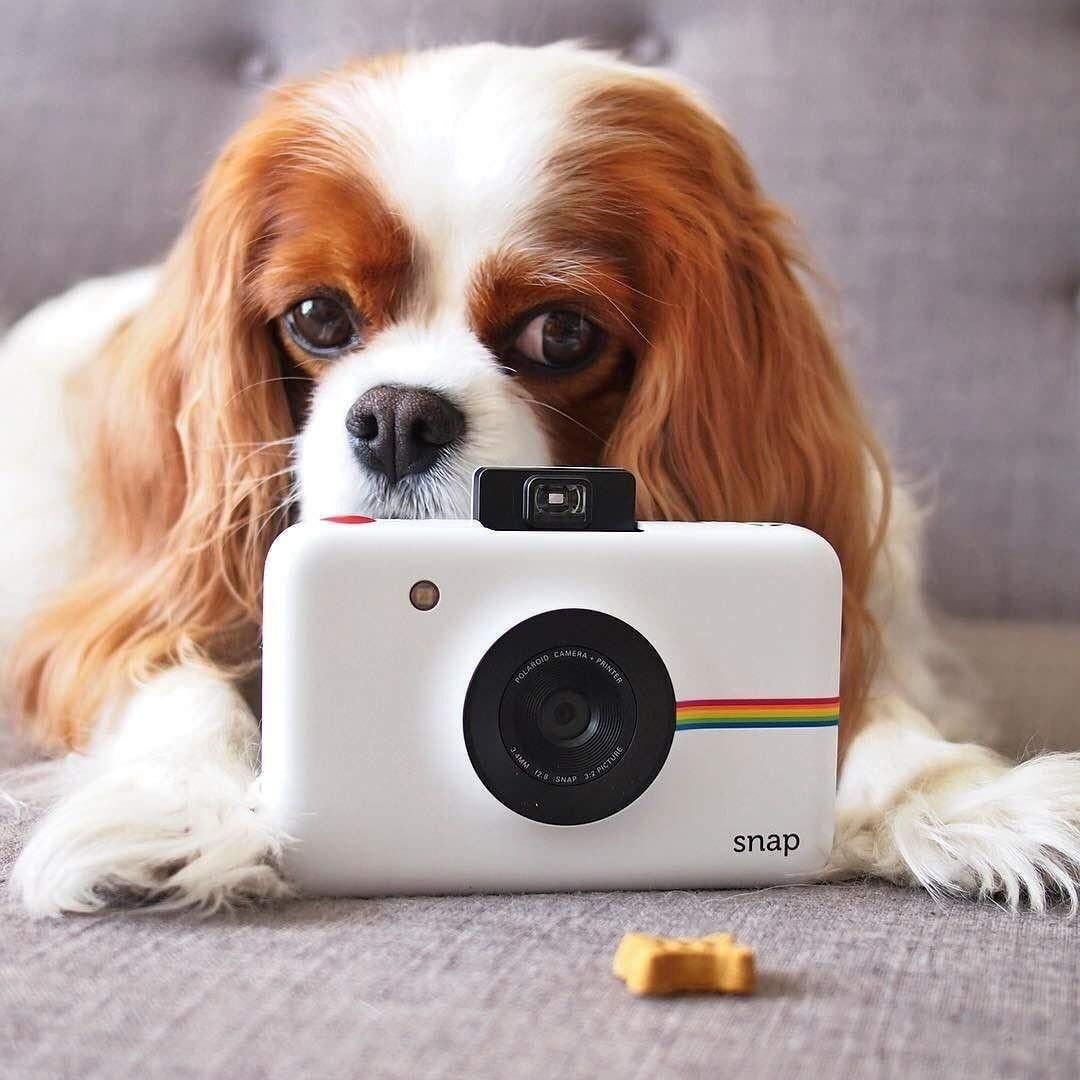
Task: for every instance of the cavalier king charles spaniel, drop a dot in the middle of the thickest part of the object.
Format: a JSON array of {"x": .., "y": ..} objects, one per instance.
[{"x": 395, "y": 273}]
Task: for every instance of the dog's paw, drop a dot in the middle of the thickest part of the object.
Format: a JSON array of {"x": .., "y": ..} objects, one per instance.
[
  {"x": 1009, "y": 833},
  {"x": 151, "y": 836}
]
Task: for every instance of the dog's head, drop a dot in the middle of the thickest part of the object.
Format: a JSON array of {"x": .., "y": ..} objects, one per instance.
[{"x": 473, "y": 256}]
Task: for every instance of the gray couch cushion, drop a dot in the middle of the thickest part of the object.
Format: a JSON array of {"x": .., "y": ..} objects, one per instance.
[
  {"x": 930, "y": 150},
  {"x": 1025, "y": 678},
  {"x": 857, "y": 980}
]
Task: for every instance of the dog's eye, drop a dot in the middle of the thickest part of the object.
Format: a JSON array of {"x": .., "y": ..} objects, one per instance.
[
  {"x": 321, "y": 325},
  {"x": 560, "y": 339}
]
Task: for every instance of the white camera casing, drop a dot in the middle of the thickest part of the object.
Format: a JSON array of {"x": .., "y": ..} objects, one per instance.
[{"x": 365, "y": 766}]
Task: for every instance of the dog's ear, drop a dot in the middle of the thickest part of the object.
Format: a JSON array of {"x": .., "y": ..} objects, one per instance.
[
  {"x": 187, "y": 473},
  {"x": 740, "y": 408}
]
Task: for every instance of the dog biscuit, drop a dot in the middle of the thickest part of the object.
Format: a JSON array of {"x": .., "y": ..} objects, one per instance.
[{"x": 660, "y": 965}]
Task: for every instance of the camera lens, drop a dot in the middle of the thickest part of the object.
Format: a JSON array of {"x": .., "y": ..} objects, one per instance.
[{"x": 569, "y": 716}]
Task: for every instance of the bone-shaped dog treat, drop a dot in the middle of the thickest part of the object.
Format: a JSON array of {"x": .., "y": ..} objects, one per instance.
[{"x": 660, "y": 965}]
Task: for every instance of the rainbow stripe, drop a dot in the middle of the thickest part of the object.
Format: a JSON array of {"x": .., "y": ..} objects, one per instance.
[{"x": 756, "y": 713}]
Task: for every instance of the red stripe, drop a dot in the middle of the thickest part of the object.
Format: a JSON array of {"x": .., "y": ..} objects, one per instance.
[{"x": 760, "y": 703}]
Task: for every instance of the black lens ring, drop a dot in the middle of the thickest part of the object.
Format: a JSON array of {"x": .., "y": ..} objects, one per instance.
[{"x": 627, "y": 777}]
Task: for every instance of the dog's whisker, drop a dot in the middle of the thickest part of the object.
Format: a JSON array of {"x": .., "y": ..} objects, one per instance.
[
  {"x": 566, "y": 415},
  {"x": 266, "y": 382}
]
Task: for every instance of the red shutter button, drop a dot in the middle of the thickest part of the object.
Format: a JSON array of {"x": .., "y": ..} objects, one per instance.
[{"x": 350, "y": 519}]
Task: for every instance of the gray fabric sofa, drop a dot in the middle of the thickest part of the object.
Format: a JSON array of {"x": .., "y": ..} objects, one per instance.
[{"x": 932, "y": 153}]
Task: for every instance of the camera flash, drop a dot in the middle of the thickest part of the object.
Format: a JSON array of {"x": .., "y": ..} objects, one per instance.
[
  {"x": 424, "y": 595},
  {"x": 556, "y": 498}
]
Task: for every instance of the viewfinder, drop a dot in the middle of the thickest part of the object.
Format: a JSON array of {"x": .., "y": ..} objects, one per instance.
[
  {"x": 558, "y": 503},
  {"x": 554, "y": 497}
]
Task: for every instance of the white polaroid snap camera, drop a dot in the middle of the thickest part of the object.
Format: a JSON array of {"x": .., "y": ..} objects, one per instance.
[{"x": 550, "y": 696}]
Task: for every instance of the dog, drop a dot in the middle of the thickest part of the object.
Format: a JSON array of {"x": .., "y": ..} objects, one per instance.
[{"x": 395, "y": 273}]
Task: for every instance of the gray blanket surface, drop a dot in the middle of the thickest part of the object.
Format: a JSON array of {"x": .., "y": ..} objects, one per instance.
[{"x": 857, "y": 980}]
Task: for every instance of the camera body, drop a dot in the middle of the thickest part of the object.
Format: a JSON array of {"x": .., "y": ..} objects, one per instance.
[{"x": 451, "y": 707}]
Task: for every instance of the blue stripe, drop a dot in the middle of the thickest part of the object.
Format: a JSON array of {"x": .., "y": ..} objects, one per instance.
[{"x": 756, "y": 724}]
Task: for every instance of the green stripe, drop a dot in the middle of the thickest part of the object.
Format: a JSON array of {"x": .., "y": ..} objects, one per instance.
[{"x": 751, "y": 722}]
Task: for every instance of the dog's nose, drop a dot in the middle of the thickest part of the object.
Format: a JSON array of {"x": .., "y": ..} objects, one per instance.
[{"x": 398, "y": 430}]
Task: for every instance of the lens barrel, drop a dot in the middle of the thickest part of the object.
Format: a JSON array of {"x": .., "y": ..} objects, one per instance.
[
  {"x": 567, "y": 712},
  {"x": 569, "y": 716}
]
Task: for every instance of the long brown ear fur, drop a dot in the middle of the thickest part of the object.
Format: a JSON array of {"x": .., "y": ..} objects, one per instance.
[
  {"x": 186, "y": 477},
  {"x": 740, "y": 409}
]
